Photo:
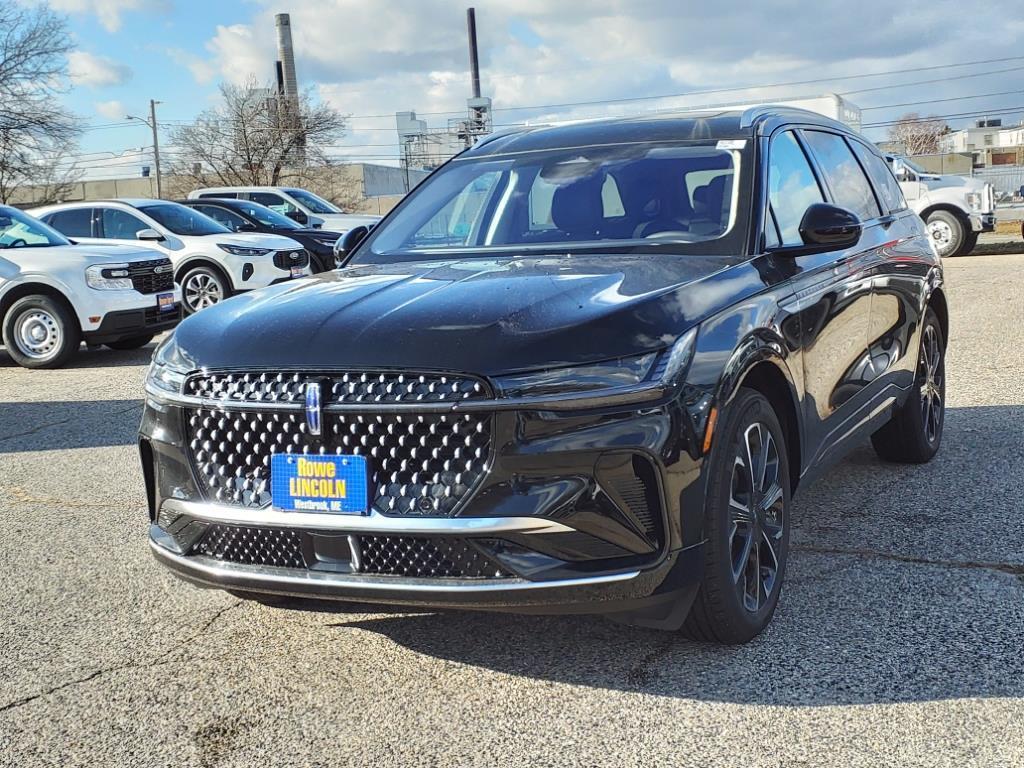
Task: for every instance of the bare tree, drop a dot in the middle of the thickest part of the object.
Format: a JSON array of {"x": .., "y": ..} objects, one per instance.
[
  {"x": 256, "y": 137},
  {"x": 35, "y": 134},
  {"x": 43, "y": 166},
  {"x": 918, "y": 135}
]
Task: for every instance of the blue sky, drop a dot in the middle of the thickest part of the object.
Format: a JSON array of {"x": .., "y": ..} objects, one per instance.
[{"x": 371, "y": 59}]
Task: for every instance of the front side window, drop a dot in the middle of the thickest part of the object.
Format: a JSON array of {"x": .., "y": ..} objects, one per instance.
[
  {"x": 575, "y": 197},
  {"x": 119, "y": 225},
  {"x": 792, "y": 188},
  {"x": 182, "y": 220},
  {"x": 314, "y": 203},
  {"x": 268, "y": 217},
  {"x": 19, "y": 230},
  {"x": 273, "y": 201},
  {"x": 845, "y": 177},
  {"x": 76, "y": 222}
]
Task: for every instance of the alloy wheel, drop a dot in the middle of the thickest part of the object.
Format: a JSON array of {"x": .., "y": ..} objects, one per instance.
[
  {"x": 756, "y": 504},
  {"x": 930, "y": 379},
  {"x": 202, "y": 290},
  {"x": 37, "y": 334}
]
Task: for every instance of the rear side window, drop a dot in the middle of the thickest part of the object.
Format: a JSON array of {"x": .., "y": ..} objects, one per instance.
[
  {"x": 792, "y": 188},
  {"x": 229, "y": 219},
  {"x": 272, "y": 201},
  {"x": 74, "y": 223},
  {"x": 881, "y": 176},
  {"x": 845, "y": 177},
  {"x": 118, "y": 225},
  {"x": 221, "y": 195}
]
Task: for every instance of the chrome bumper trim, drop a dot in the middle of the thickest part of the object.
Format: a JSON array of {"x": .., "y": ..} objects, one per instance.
[
  {"x": 640, "y": 394},
  {"x": 213, "y": 573},
  {"x": 372, "y": 523}
]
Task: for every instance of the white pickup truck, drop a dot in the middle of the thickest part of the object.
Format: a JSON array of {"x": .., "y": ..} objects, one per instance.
[
  {"x": 55, "y": 295},
  {"x": 956, "y": 209}
]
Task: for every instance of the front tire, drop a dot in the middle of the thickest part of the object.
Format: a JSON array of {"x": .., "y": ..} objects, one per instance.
[
  {"x": 135, "y": 342},
  {"x": 746, "y": 525},
  {"x": 970, "y": 243},
  {"x": 947, "y": 232},
  {"x": 40, "y": 332},
  {"x": 914, "y": 434},
  {"x": 202, "y": 287}
]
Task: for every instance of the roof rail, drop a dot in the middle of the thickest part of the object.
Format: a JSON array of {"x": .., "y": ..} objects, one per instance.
[{"x": 752, "y": 114}]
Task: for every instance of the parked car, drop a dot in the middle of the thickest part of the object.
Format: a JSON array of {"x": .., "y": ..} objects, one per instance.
[
  {"x": 55, "y": 295},
  {"x": 247, "y": 216},
  {"x": 580, "y": 368},
  {"x": 956, "y": 209},
  {"x": 211, "y": 263},
  {"x": 300, "y": 205}
]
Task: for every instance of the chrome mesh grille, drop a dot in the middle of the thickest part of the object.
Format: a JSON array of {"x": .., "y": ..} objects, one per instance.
[
  {"x": 279, "y": 547},
  {"x": 423, "y": 557},
  {"x": 419, "y": 557},
  {"x": 420, "y": 464},
  {"x": 364, "y": 387}
]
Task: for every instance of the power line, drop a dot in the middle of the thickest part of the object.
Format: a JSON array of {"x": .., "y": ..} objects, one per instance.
[{"x": 956, "y": 116}]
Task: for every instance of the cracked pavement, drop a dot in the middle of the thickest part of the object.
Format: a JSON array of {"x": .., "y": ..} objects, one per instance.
[{"x": 898, "y": 640}]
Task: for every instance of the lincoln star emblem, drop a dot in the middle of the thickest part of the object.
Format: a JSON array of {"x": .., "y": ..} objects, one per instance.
[{"x": 313, "y": 408}]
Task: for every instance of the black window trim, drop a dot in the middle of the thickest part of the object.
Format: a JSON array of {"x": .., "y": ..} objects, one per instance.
[{"x": 766, "y": 208}]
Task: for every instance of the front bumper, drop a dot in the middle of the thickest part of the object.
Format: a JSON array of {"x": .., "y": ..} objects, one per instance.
[
  {"x": 545, "y": 530},
  {"x": 125, "y": 324},
  {"x": 983, "y": 222}
]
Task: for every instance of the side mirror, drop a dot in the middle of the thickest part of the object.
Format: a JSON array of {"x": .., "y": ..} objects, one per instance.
[
  {"x": 297, "y": 216},
  {"x": 148, "y": 234},
  {"x": 347, "y": 243},
  {"x": 827, "y": 227}
]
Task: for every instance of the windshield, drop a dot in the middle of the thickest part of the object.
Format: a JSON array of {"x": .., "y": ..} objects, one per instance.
[
  {"x": 268, "y": 217},
  {"x": 312, "y": 202},
  {"x": 593, "y": 197},
  {"x": 183, "y": 221},
  {"x": 19, "y": 230}
]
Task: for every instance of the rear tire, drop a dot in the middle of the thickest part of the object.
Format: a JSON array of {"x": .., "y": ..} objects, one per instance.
[
  {"x": 947, "y": 232},
  {"x": 914, "y": 434},
  {"x": 135, "y": 342},
  {"x": 40, "y": 332},
  {"x": 746, "y": 525}
]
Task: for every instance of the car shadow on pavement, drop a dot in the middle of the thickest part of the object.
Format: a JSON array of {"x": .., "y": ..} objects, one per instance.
[
  {"x": 95, "y": 357},
  {"x": 66, "y": 424},
  {"x": 904, "y": 584}
]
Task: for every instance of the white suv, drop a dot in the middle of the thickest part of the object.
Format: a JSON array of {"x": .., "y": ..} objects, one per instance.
[
  {"x": 210, "y": 262},
  {"x": 299, "y": 205},
  {"x": 54, "y": 295}
]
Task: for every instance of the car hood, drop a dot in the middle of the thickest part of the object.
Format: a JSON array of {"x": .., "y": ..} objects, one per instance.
[
  {"x": 257, "y": 240},
  {"x": 475, "y": 315},
  {"x": 116, "y": 252},
  {"x": 936, "y": 181},
  {"x": 343, "y": 222},
  {"x": 84, "y": 254}
]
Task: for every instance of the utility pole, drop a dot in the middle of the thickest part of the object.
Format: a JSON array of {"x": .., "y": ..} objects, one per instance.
[
  {"x": 151, "y": 122},
  {"x": 156, "y": 146}
]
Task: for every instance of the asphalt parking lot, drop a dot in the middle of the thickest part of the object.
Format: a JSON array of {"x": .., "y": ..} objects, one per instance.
[{"x": 898, "y": 640}]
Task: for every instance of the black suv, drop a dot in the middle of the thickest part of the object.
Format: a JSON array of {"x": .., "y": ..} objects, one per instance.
[
  {"x": 580, "y": 368},
  {"x": 247, "y": 216}
]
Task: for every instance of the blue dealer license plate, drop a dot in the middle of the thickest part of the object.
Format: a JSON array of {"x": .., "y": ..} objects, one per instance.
[{"x": 332, "y": 484}]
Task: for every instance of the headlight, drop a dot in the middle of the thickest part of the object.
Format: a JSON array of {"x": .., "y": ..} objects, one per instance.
[
  {"x": 108, "y": 277},
  {"x": 239, "y": 250},
  {"x": 169, "y": 368},
  {"x": 976, "y": 200},
  {"x": 663, "y": 367}
]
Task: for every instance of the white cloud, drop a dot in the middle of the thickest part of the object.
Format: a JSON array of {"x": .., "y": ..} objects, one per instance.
[
  {"x": 203, "y": 71},
  {"x": 96, "y": 71},
  {"x": 107, "y": 11},
  {"x": 112, "y": 110}
]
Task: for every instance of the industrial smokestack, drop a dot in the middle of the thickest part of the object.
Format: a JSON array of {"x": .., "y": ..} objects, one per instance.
[
  {"x": 474, "y": 57},
  {"x": 286, "y": 55}
]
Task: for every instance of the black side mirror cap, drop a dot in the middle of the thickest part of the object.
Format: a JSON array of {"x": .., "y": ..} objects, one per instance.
[
  {"x": 348, "y": 242},
  {"x": 297, "y": 216},
  {"x": 824, "y": 228}
]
